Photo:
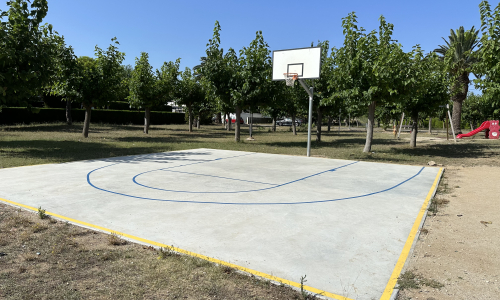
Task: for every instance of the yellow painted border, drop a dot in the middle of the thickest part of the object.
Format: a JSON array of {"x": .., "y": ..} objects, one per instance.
[
  {"x": 386, "y": 295},
  {"x": 214, "y": 260}
]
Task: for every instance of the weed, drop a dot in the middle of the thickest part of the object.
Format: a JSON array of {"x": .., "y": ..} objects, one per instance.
[
  {"x": 433, "y": 208},
  {"x": 412, "y": 280},
  {"x": 436, "y": 203},
  {"x": 227, "y": 269},
  {"x": 38, "y": 227},
  {"x": 304, "y": 294},
  {"x": 166, "y": 252},
  {"x": 431, "y": 283},
  {"x": 41, "y": 213},
  {"x": 115, "y": 240}
]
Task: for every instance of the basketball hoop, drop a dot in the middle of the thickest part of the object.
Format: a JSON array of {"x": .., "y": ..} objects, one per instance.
[{"x": 290, "y": 78}]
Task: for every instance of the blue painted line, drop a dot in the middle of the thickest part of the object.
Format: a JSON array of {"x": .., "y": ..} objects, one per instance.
[
  {"x": 134, "y": 179},
  {"x": 249, "y": 203}
]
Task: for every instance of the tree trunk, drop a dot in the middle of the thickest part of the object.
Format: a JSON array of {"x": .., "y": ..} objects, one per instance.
[
  {"x": 294, "y": 129},
  {"x": 459, "y": 94},
  {"x": 318, "y": 124},
  {"x": 147, "y": 119},
  {"x": 218, "y": 119},
  {"x": 190, "y": 119},
  {"x": 69, "y": 119},
  {"x": 237, "y": 124},
  {"x": 456, "y": 116},
  {"x": 228, "y": 122},
  {"x": 274, "y": 124},
  {"x": 369, "y": 128},
  {"x": 198, "y": 122},
  {"x": 414, "y": 129},
  {"x": 329, "y": 122},
  {"x": 430, "y": 125},
  {"x": 86, "y": 123}
]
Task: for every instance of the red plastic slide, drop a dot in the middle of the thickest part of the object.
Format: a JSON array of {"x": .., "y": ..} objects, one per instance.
[{"x": 492, "y": 127}]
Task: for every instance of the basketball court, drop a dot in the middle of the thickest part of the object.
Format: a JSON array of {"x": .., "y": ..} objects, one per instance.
[{"x": 347, "y": 225}]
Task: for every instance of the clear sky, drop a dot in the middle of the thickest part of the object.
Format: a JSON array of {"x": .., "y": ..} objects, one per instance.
[{"x": 168, "y": 30}]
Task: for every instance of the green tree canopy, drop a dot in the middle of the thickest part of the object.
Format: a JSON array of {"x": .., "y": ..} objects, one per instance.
[
  {"x": 27, "y": 51},
  {"x": 488, "y": 56},
  {"x": 425, "y": 87},
  {"x": 220, "y": 72},
  {"x": 142, "y": 88},
  {"x": 100, "y": 79},
  {"x": 190, "y": 93},
  {"x": 369, "y": 69}
]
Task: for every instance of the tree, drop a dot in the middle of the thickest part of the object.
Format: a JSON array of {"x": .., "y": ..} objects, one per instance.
[
  {"x": 125, "y": 76},
  {"x": 425, "y": 87},
  {"x": 368, "y": 69},
  {"x": 27, "y": 50},
  {"x": 488, "y": 56},
  {"x": 274, "y": 107},
  {"x": 190, "y": 94},
  {"x": 100, "y": 80},
  {"x": 458, "y": 55},
  {"x": 219, "y": 73},
  {"x": 66, "y": 77},
  {"x": 323, "y": 101},
  {"x": 251, "y": 82},
  {"x": 142, "y": 84},
  {"x": 479, "y": 108}
]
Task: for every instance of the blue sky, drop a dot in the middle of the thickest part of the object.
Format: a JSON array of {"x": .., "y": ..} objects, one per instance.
[{"x": 168, "y": 30}]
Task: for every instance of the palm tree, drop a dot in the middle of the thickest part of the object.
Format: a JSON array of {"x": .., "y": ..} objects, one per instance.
[{"x": 459, "y": 59}]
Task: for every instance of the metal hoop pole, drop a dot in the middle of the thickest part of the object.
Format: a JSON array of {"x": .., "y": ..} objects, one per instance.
[{"x": 310, "y": 92}]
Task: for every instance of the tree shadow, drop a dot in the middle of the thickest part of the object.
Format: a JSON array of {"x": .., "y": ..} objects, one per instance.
[
  {"x": 465, "y": 150},
  {"x": 66, "y": 151}
]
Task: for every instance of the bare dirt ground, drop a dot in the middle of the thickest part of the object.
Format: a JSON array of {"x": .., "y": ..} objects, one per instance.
[{"x": 458, "y": 248}]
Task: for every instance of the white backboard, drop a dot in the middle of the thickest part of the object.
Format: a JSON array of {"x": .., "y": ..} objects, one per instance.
[{"x": 306, "y": 62}]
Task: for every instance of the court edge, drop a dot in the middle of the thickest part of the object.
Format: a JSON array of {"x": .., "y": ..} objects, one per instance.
[
  {"x": 389, "y": 289},
  {"x": 214, "y": 260}
]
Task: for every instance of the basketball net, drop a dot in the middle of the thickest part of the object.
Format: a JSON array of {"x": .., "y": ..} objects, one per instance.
[{"x": 290, "y": 78}]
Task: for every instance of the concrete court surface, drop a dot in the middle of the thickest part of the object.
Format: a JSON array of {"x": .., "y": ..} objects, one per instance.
[{"x": 342, "y": 223}]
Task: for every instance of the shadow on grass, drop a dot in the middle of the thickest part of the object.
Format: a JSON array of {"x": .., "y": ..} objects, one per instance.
[
  {"x": 48, "y": 127},
  {"x": 448, "y": 151},
  {"x": 77, "y": 127},
  {"x": 354, "y": 143},
  {"x": 64, "y": 151}
]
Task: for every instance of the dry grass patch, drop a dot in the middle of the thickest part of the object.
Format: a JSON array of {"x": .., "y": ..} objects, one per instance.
[{"x": 64, "y": 261}]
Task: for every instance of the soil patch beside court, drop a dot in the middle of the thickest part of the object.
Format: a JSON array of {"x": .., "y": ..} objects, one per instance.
[{"x": 458, "y": 246}]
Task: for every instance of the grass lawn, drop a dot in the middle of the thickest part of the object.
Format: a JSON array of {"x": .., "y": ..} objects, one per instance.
[
  {"x": 77, "y": 263},
  {"x": 55, "y": 143}
]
